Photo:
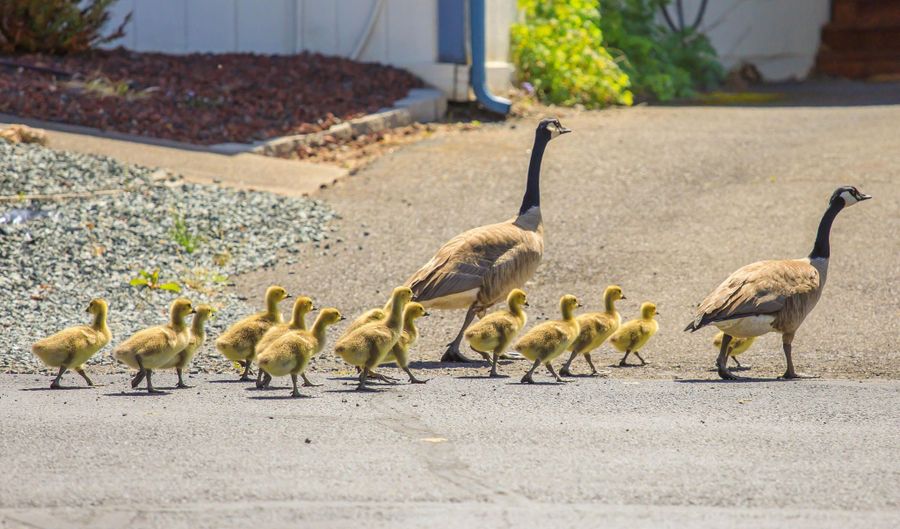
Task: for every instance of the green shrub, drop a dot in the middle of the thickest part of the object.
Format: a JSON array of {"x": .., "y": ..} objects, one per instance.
[
  {"x": 558, "y": 49},
  {"x": 55, "y": 26},
  {"x": 661, "y": 64}
]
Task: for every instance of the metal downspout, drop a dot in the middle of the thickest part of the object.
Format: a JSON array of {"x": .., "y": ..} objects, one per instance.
[{"x": 478, "y": 74}]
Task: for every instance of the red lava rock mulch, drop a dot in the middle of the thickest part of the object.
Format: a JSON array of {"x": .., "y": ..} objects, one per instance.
[{"x": 199, "y": 98}]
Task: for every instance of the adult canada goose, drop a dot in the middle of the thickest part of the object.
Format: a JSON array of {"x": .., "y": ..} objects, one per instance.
[
  {"x": 769, "y": 296},
  {"x": 479, "y": 267}
]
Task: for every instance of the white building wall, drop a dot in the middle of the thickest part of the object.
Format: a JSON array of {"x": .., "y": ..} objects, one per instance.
[
  {"x": 404, "y": 32},
  {"x": 780, "y": 37}
]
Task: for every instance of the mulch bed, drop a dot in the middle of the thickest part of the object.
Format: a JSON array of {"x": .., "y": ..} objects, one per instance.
[{"x": 199, "y": 98}]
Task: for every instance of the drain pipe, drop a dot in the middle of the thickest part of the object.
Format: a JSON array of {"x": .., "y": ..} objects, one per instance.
[{"x": 478, "y": 72}]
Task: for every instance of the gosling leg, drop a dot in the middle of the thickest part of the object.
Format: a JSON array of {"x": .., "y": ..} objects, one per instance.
[
  {"x": 553, "y": 372},
  {"x": 640, "y": 358},
  {"x": 84, "y": 375},
  {"x": 245, "y": 376},
  {"x": 565, "y": 368},
  {"x": 528, "y": 378},
  {"x": 306, "y": 382},
  {"x": 139, "y": 376},
  {"x": 180, "y": 384},
  {"x": 738, "y": 364},
  {"x": 594, "y": 372},
  {"x": 722, "y": 361},
  {"x": 412, "y": 378},
  {"x": 494, "y": 359},
  {"x": 452, "y": 354},
  {"x": 150, "y": 388},
  {"x": 363, "y": 375},
  {"x": 55, "y": 384},
  {"x": 294, "y": 393},
  {"x": 622, "y": 362},
  {"x": 383, "y": 378}
]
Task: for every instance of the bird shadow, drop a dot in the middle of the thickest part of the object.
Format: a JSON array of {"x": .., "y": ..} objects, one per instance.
[
  {"x": 480, "y": 377},
  {"x": 437, "y": 364},
  {"x": 138, "y": 393},
  {"x": 63, "y": 388},
  {"x": 230, "y": 381},
  {"x": 722, "y": 381},
  {"x": 537, "y": 383},
  {"x": 351, "y": 388},
  {"x": 282, "y": 397}
]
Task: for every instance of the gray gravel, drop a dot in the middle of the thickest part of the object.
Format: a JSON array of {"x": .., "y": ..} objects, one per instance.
[{"x": 93, "y": 246}]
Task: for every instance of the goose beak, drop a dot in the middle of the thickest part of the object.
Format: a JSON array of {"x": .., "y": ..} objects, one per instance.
[
  {"x": 863, "y": 196},
  {"x": 563, "y": 130}
]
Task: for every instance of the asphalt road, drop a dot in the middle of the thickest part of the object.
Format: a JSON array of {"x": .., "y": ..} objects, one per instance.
[{"x": 456, "y": 452}]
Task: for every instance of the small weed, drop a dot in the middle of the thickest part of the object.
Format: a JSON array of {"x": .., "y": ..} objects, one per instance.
[
  {"x": 150, "y": 281},
  {"x": 183, "y": 236},
  {"x": 204, "y": 280}
]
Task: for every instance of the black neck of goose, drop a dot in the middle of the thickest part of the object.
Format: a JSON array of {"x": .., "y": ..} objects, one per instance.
[
  {"x": 822, "y": 249},
  {"x": 532, "y": 196}
]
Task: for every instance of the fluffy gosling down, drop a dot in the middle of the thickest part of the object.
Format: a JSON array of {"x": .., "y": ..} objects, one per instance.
[
  {"x": 197, "y": 336},
  {"x": 595, "y": 328},
  {"x": 155, "y": 347},
  {"x": 367, "y": 346},
  {"x": 400, "y": 353},
  {"x": 544, "y": 342},
  {"x": 238, "y": 343},
  {"x": 302, "y": 306},
  {"x": 496, "y": 331},
  {"x": 290, "y": 354},
  {"x": 735, "y": 347},
  {"x": 71, "y": 348},
  {"x": 634, "y": 334}
]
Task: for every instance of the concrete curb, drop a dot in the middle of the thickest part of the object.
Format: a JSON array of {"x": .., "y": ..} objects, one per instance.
[{"x": 420, "y": 104}]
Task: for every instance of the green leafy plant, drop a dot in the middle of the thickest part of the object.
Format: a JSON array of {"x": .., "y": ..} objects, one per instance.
[
  {"x": 204, "y": 280},
  {"x": 662, "y": 64},
  {"x": 150, "y": 281},
  {"x": 55, "y": 26},
  {"x": 183, "y": 236},
  {"x": 559, "y": 50}
]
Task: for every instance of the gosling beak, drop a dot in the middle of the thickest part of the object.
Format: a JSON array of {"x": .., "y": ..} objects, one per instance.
[
  {"x": 342, "y": 318},
  {"x": 623, "y": 297},
  {"x": 657, "y": 313},
  {"x": 526, "y": 304},
  {"x": 579, "y": 305},
  {"x": 863, "y": 196},
  {"x": 193, "y": 311},
  {"x": 426, "y": 314},
  {"x": 313, "y": 308},
  {"x": 287, "y": 296}
]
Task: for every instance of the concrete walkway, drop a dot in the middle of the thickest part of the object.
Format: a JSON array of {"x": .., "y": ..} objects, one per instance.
[{"x": 243, "y": 170}]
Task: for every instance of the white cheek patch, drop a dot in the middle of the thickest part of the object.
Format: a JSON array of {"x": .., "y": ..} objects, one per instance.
[
  {"x": 554, "y": 132},
  {"x": 848, "y": 197}
]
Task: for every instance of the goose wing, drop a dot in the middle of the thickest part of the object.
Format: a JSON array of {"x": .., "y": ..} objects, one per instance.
[
  {"x": 756, "y": 289},
  {"x": 499, "y": 257}
]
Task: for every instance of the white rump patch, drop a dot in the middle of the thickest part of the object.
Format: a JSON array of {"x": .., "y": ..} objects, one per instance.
[
  {"x": 460, "y": 300},
  {"x": 747, "y": 327}
]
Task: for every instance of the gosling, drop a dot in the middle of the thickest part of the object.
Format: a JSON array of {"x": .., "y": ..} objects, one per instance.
[
  {"x": 238, "y": 343},
  {"x": 154, "y": 347},
  {"x": 302, "y": 306},
  {"x": 544, "y": 342},
  {"x": 367, "y": 346},
  {"x": 400, "y": 353},
  {"x": 291, "y": 353},
  {"x": 496, "y": 331},
  {"x": 735, "y": 347},
  {"x": 71, "y": 348},
  {"x": 369, "y": 316},
  {"x": 197, "y": 336},
  {"x": 595, "y": 328},
  {"x": 634, "y": 334}
]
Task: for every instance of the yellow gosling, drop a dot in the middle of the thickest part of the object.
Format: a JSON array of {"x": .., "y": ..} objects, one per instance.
[
  {"x": 633, "y": 335},
  {"x": 369, "y": 316},
  {"x": 400, "y": 353},
  {"x": 197, "y": 336},
  {"x": 735, "y": 347},
  {"x": 302, "y": 306},
  {"x": 154, "y": 347},
  {"x": 71, "y": 348},
  {"x": 290, "y": 354},
  {"x": 595, "y": 328},
  {"x": 544, "y": 342},
  {"x": 238, "y": 343},
  {"x": 496, "y": 331},
  {"x": 367, "y": 346}
]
